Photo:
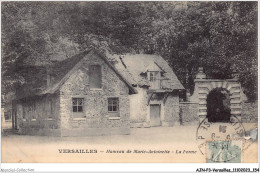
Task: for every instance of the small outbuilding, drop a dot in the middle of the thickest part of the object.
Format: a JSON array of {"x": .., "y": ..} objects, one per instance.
[
  {"x": 157, "y": 101},
  {"x": 80, "y": 96}
]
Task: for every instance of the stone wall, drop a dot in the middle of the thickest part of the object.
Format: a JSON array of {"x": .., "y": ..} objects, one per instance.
[
  {"x": 189, "y": 113},
  {"x": 171, "y": 110},
  {"x": 189, "y": 110},
  {"x": 138, "y": 108},
  {"x": 95, "y": 118},
  {"x": 39, "y": 116},
  {"x": 249, "y": 112}
]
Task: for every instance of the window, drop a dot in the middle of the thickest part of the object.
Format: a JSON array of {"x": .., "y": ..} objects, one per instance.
[
  {"x": 113, "y": 105},
  {"x": 95, "y": 76},
  {"x": 152, "y": 76},
  {"x": 155, "y": 79},
  {"x": 77, "y": 104}
]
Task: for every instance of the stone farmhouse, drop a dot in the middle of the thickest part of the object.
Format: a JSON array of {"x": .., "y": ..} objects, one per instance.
[
  {"x": 157, "y": 101},
  {"x": 94, "y": 94},
  {"x": 80, "y": 96}
]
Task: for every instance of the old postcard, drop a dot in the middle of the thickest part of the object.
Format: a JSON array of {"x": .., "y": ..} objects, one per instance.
[{"x": 129, "y": 82}]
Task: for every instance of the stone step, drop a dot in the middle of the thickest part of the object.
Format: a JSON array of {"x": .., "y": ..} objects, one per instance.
[
  {"x": 232, "y": 91},
  {"x": 235, "y": 96},
  {"x": 203, "y": 86},
  {"x": 203, "y": 96},
  {"x": 204, "y": 108},
  {"x": 235, "y": 106},
  {"x": 204, "y": 92},
  {"x": 202, "y": 102},
  {"x": 202, "y": 113},
  {"x": 235, "y": 85},
  {"x": 235, "y": 101},
  {"x": 235, "y": 112}
]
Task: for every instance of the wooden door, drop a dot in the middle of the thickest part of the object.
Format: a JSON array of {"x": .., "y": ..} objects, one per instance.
[{"x": 155, "y": 118}]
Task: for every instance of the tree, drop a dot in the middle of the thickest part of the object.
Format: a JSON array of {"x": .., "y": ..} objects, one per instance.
[{"x": 220, "y": 36}]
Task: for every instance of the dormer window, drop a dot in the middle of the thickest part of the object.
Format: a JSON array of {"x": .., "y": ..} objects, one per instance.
[
  {"x": 152, "y": 78},
  {"x": 155, "y": 79}
]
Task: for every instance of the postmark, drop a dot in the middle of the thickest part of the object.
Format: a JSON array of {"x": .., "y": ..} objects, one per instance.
[
  {"x": 209, "y": 131},
  {"x": 251, "y": 137}
]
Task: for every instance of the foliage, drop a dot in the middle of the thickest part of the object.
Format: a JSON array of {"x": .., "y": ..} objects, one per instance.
[{"x": 220, "y": 36}]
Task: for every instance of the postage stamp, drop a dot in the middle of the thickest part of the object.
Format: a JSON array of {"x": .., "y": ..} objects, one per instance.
[{"x": 229, "y": 151}]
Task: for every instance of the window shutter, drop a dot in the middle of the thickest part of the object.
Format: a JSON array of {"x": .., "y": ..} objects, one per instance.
[{"x": 95, "y": 76}]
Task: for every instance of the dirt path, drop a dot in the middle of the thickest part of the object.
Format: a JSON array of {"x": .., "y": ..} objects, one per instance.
[{"x": 179, "y": 141}]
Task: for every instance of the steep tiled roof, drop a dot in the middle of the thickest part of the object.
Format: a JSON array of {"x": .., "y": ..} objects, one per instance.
[
  {"x": 59, "y": 72},
  {"x": 62, "y": 70},
  {"x": 132, "y": 66}
]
